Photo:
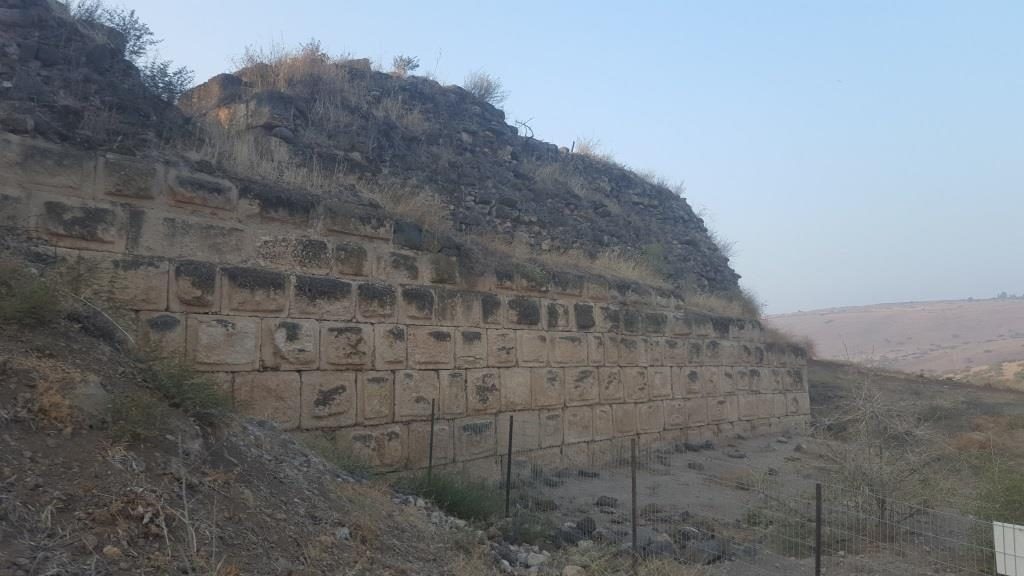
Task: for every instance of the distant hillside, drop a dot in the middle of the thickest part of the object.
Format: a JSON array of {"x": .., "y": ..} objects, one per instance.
[{"x": 979, "y": 339}]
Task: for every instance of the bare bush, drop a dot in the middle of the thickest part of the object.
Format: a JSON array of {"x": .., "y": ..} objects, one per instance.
[
  {"x": 485, "y": 87},
  {"x": 402, "y": 65}
]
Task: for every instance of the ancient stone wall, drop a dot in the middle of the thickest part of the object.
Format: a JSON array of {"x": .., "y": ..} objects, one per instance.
[{"x": 318, "y": 315}]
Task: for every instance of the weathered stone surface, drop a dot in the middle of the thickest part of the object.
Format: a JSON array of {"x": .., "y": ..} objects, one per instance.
[
  {"x": 611, "y": 384},
  {"x": 452, "y": 393},
  {"x": 376, "y": 302},
  {"x": 129, "y": 177},
  {"x": 798, "y": 403},
  {"x": 272, "y": 396},
  {"x": 419, "y": 443},
  {"x": 441, "y": 269},
  {"x": 557, "y": 314},
  {"x": 655, "y": 351},
  {"x": 659, "y": 381},
  {"x": 389, "y": 346},
  {"x": 346, "y": 218},
  {"x": 634, "y": 381},
  {"x": 583, "y": 314},
  {"x": 550, "y": 428},
  {"x": 579, "y": 424},
  {"x": 194, "y": 287},
  {"x": 223, "y": 343},
  {"x": 470, "y": 348},
  {"x": 604, "y": 425},
  {"x": 491, "y": 310},
  {"x": 324, "y": 298},
  {"x": 624, "y": 419},
  {"x": 398, "y": 267},
  {"x": 525, "y": 431},
  {"x": 501, "y": 348},
  {"x": 523, "y": 311},
  {"x": 162, "y": 332},
  {"x": 581, "y": 386},
  {"x": 632, "y": 351},
  {"x": 595, "y": 349},
  {"x": 547, "y": 386},
  {"x": 611, "y": 349},
  {"x": 375, "y": 396},
  {"x": 431, "y": 347},
  {"x": 747, "y": 406},
  {"x": 289, "y": 344},
  {"x": 346, "y": 345},
  {"x": 133, "y": 282},
  {"x": 686, "y": 382},
  {"x": 305, "y": 254},
  {"x": 532, "y": 347},
  {"x": 254, "y": 291},
  {"x": 187, "y": 238},
  {"x": 34, "y": 165},
  {"x": 569, "y": 350},
  {"x": 382, "y": 447},
  {"x": 414, "y": 392},
  {"x": 515, "y": 389},
  {"x": 328, "y": 399},
  {"x": 202, "y": 190},
  {"x": 483, "y": 391},
  {"x": 650, "y": 417},
  {"x": 675, "y": 352},
  {"x": 696, "y": 412},
  {"x": 475, "y": 437},
  {"x": 722, "y": 409},
  {"x": 675, "y": 414},
  {"x": 416, "y": 305},
  {"x": 74, "y": 224},
  {"x": 350, "y": 259}
]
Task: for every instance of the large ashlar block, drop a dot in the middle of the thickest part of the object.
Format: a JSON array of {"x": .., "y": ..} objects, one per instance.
[
  {"x": 550, "y": 428},
  {"x": 569, "y": 350},
  {"x": 576, "y": 456},
  {"x": 77, "y": 224},
  {"x": 675, "y": 414},
  {"x": 675, "y": 352},
  {"x": 188, "y": 237},
  {"x": 351, "y": 259},
  {"x": 632, "y": 351},
  {"x": 194, "y": 287},
  {"x": 611, "y": 349},
  {"x": 624, "y": 419},
  {"x": 579, "y": 424},
  {"x": 254, "y": 291},
  {"x": 133, "y": 282},
  {"x": 469, "y": 309},
  {"x": 324, "y": 298},
  {"x": 201, "y": 190},
  {"x": 728, "y": 377},
  {"x": 655, "y": 351},
  {"x": 492, "y": 310},
  {"x": 523, "y": 311},
  {"x": 346, "y": 346},
  {"x": 650, "y": 417},
  {"x": 696, "y": 412},
  {"x": 305, "y": 254},
  {"x": 604, "y": 425},
  {"x": 475, "y": 437},
  {"x": 547, "y": 386},
  {"x": 525, "y": 430},
  {"x": 163, "y": 332},
  {"x": 389, "y": 346},
  {"x": 328, "y": 399},
  {"x": 779, "y": 407},
  {"x": 532, "y": 347},
  {"x": 223, "y": 343},
  {"x": 747, "y": 406},
  {"x": 416, "y": 305},
  {"x": 382, "y": 447},
  {"x": 515, "y": 389},
  {"x": 634, "y": 381},
  {"x": 34, "y": 165},
  {"x": 452, "y": 393},
  {"x": 501, "y": 348},
  {"x": 632, "y": 321},
  {"x": 347, "y": 218},
  {"x": 609, "y": 318},
  {"x": 611, "y": 385},
  {"x": 273, "y": 396},
  {"x": 773, "y": 380},
  {"x": 483, "y": 391},
  {"x": 290, "y": 344},
  {"x": 419, "y": 443},
  {"x": 659, "y": 382},
  {"x": 376, "y": 302},
  {"x": 695, "y": 352},
  {"x": 714, "y": 353},
  {"x": 431, "y": 347},
  {"x": 415, "y": 390},
  {"x": 557, "y": 316},
  {"x": 583, "y": 314},
  {"x": 376, "y": 397},
  {"x": 711, "y": 381},
  {"x": 795, "y": 380},
  {"x": 798, "y": 403},
  {"x": 398, "y": 267},
  {"x": 470, "y": 348},
  {"x": 581, "y": 386},
  {"x": 677, "y": 324},
  {"x": 595, "y": 349},
  {"x": 686, "y": 382},
  {"x": 722, "y": 409}
]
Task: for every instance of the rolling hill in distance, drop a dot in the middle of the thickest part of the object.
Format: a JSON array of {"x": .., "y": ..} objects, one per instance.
[{"x": 977, "y": 340}]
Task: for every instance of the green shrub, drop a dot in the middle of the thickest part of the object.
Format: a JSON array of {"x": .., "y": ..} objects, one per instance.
[
  {"x": 1001, "y": 494},
  {"x": 464, "y": 498},
  {"x": 26, "y": 298}
]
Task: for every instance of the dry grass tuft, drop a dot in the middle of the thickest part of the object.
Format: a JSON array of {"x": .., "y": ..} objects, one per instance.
[{"x": 421, "y": 206}]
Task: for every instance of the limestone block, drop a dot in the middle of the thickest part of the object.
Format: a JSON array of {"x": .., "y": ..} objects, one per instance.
[
  {"x": 713, "y": 353},
  {"x": 550, "y": 428},
  {"x": 305, "y": 254},
  {"x": 677, "y": 324},
  {"x": 659, "y": 382},
  {"x": 346, "y": 218},
  {"x": 515, "y": 389},
  {"x": 795, "y": 380},
  {"x": 655, "y": 351},
  {"x": 419, "y": 443},
  {"x": 748, "y": 379},
  {"x": 650, "y": 417},
  {"x": 611, "y": 349},
  {"x": 675, "y": 352},
  {"x": 579, "y": 424},
  {"x": 223, "y": 343},
  {"x": 722, "y": 409},
  {"x": 696, "y": 412},
  {"x": 695, "y": 352},
  {"x": 133, "y": 282},
  {"x": 452, "y": 393},
  {"x": 604, "y": 426},
  {"x": 747, "y": 406},
  {"x": 608, "y": 453},
  {"x": 483, "y": 391},
  {"x": 624, "y": 419},
  {"x": 469, "y": 311},
  {"x": 609, "y": 318},
  {"x": 583, "y": 314},
  {"x": 632, "y": 321},
  {"x": 273, "y": 396},
  {"x": 350, "y": 259},
  {"x": 492, "y": 310},
  {"x": 596, "y": 289},
  {"x": 711, "y": 381},
  {"x": 581, "y": 386},
  {"x": 375, "y": 396},
  {"x": 779, "y": 406},
  {"x": 414, "y": 392},
  {"x": 567, "y": 283},
  {"x": 557, "y": 315},
  {"x": 595, "y": 349},
  {"x": 194, "y": 287},
  {"x": 254, "y": 291},
  {"x": 775, "y": 380},
  {"x": 78, "y": 224},
  {"x": 416, "y": 305},
  {"x": 798, "y": 403},
  {"x": 324, "y": 298},
  {"x": 569, "y": 350},
  {"x": 290, "y": 344},
  {"x": 576, "y": 456},
  {"x": 440, "y": 269},
  {"x": 470, "y": 348},
  {"x": 634, "y": 381},
  {"x": 523, "y": 311},
  {"x": 389, "y": 346},
  {"x": 611, "y": 385},
  {"x": 189, "y": 237},
  {"x": 376, "y": 302},
  {"x": 532, "y": 347},
  {"x": 728, "y": 377},
  {"x": 525, "y": 431},
  {"x": 675, "y": 414},
  {"x": 397, "y": 267},
  {"x": 201, "y": 190},
  {"x": 431, "y": 347},
  {"x": 655, "y": 323},
  {"x": 328, "y": 399},
  {"x": 686, "y": 382},
  {"x": 128, "y": 177},
  {"x": 345, "y": 345},
  {"x": 163, "y": 332},
  {"x": 447, "y": 306},
  {"x": 547, "y": 386},
  {"x": 34, "y": 165},
  {"x": 501, "y": 348},
  {"x": 382, "y": 447},
  {"x": 632, "y": 351},
  {"x": 475, "y": 437}
]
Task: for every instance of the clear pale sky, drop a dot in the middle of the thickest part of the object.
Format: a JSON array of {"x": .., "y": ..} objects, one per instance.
[{"x": 855, "y": 151}]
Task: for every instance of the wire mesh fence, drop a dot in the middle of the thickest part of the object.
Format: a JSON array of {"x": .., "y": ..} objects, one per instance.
[{"x": 626, "y": 505}]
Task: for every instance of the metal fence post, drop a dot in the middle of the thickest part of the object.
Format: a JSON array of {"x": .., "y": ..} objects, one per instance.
[
  {"x": 817, "y": 529},
  {"x": 632, "y": 459},
  {"x": 508, "y": 466},
  {"x": 430, "y": 450}
]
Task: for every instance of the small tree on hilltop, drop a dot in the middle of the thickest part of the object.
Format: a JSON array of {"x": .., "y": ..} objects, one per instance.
[{"x": 402, "y": 65}]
